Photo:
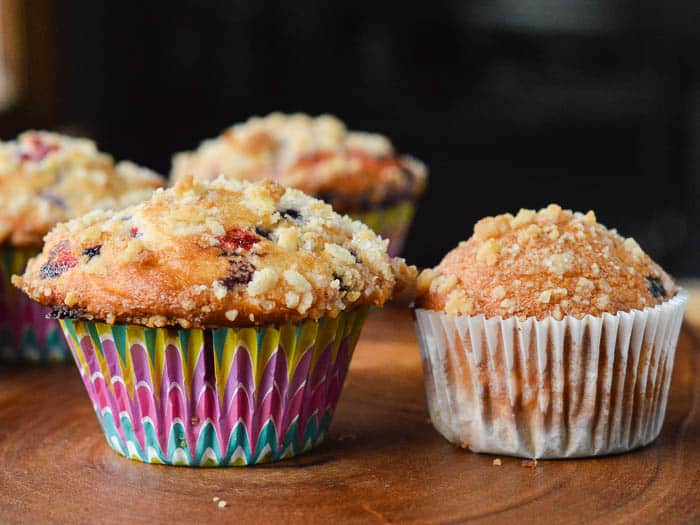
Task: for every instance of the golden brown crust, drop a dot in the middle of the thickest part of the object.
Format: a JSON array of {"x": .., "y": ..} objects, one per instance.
[
  {"x": 550, "y": 263},
  {"x": 350, "y": 170},
  {"x": 46, "y": 178},
  {"x": 209, "y": 254}
]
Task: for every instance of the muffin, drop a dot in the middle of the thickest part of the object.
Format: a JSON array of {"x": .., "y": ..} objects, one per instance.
[
  {"x": 214, "y": 323},
  {"x": 46, "y": 178},
  {"x": 546, "y": 335},
  {"x": 357, "y": 173}
]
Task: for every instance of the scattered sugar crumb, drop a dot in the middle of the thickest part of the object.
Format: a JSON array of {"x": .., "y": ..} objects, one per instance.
[
  {"x": 488, "y": 253},
  {"x": 565, "y": 264}
]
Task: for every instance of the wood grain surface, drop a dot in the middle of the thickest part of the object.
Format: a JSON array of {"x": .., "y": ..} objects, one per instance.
[{"x": 383, "y": 462}]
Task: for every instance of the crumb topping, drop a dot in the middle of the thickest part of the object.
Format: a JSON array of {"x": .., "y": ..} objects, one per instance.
[
  {"x": 46, "y": 178},
  {"x": 551, "y": 262},
  {"x": 318, "y": 155},
  {"x": 209, "y": 254}
]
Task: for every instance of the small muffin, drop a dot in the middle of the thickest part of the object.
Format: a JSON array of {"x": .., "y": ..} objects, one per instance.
[
  {"x": 548, "y": 335},
  {"x": 358, "y": 173},
  {"x": 247, "y": 297},
  {"x": 46, "y": 178}
]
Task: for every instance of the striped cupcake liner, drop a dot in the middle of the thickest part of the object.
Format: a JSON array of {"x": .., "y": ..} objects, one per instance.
[
  {"x": 392, "y": 222},
  {"x": 26, "y": 335},
  {"x": 214, "y": 397},
  {"x": 550, "y": 389}
]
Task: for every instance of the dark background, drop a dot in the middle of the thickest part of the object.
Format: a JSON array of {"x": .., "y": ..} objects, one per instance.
[{"x": 511, "y": 103}]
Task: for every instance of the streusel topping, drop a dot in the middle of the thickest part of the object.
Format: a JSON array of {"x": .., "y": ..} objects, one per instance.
[
  {"x": 319, "y": 156},
  {"x": 46, "y": 178},
  {"x": 208, "y": 254},
  {"x": 548, "y": 263}
]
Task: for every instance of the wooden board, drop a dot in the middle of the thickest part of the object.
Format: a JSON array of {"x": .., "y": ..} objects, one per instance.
[{"x": 382, "y": 463}]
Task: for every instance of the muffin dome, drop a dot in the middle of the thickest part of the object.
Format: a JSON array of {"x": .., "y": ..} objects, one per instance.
[
  {"x": 213, "y": 254},
  {"x": 46, "y": 178},
  {"x": 350, "y": 170},
  {"x": 539, "y": 264}
]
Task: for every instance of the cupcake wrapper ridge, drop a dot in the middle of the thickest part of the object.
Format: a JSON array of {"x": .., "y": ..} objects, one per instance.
[
  {"x": 391, "y": 222},
  {"x": 214, "y": 397},
  {"x": 550, "y": 389},
  {"x": 26, "y": 335}
]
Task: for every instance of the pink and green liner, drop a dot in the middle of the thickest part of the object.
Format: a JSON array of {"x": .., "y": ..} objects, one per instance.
[
  {"x": 26, "y": 335},
  {"x": 216, "y": 397}
]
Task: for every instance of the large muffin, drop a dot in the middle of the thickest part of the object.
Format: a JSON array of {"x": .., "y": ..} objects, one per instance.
[
  {"x": 547, "y": 335},
  {"x": 193, "y": 255},
  {"x": 248, "y": 298},
  {"x": 358, "y": 173},
  {"x": 46, "y": 178}
]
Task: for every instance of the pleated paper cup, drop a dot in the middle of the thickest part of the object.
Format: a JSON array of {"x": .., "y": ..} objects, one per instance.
[
  {"x": 550, "y": 389},
  {"x": 214, "y": 397},
  {"x": 390, "y": 222},
  {"x": 26, "y": 335}
]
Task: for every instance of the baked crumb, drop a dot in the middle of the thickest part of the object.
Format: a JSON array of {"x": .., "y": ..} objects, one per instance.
[
  {"x": 317, "y": 155},
  {"x": 202, "y": 254},
  {"x": 529, "y": 463},
  {"x": 488, "y": 252},
  {"x": 550, "y": 263},
  {"x": 497, "y": 462},
  {"x": 47, "y": 178}
]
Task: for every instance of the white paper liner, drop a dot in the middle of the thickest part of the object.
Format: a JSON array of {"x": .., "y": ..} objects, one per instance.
[{"x": 550, "y": 389}]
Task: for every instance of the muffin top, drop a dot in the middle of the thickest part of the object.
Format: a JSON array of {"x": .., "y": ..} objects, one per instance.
[
  {"x": 540, "y": 264},
  {"x": 350, "y": 170},
  {"x": 211, "y": 254},
  {"x": 46, "y": 178}
]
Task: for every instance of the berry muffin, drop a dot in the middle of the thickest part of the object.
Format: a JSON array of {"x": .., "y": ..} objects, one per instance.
[
  {"x": 546, "y": 335},
  {"x": 357, "y": 173},
  {"x": 46, "y": 178},
  {"x": 214, "y": 323}
]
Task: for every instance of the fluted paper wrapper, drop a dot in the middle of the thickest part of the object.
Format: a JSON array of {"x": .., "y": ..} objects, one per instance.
[
  {"x": 217, "y": 397},
  {"x": 26, "y": 335},
  {"x": 391, "y": 222},
  {"x": 550, "y": 389}
]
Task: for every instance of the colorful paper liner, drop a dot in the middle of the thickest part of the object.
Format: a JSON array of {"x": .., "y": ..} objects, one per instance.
[
  {"x": 391, "y": 223},
  {"x": 26, "y": 335},
  {"x": 216, "y": 397},
  {"x": 548, "y": 388}
]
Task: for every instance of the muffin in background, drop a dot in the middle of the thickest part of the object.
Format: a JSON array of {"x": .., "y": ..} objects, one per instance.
[
  {"x": 46, "y": 178},
  {"x": 214, "y": 324},
  {"x": 545, "y": 335},
  {"x": 357, "y": 173}
]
